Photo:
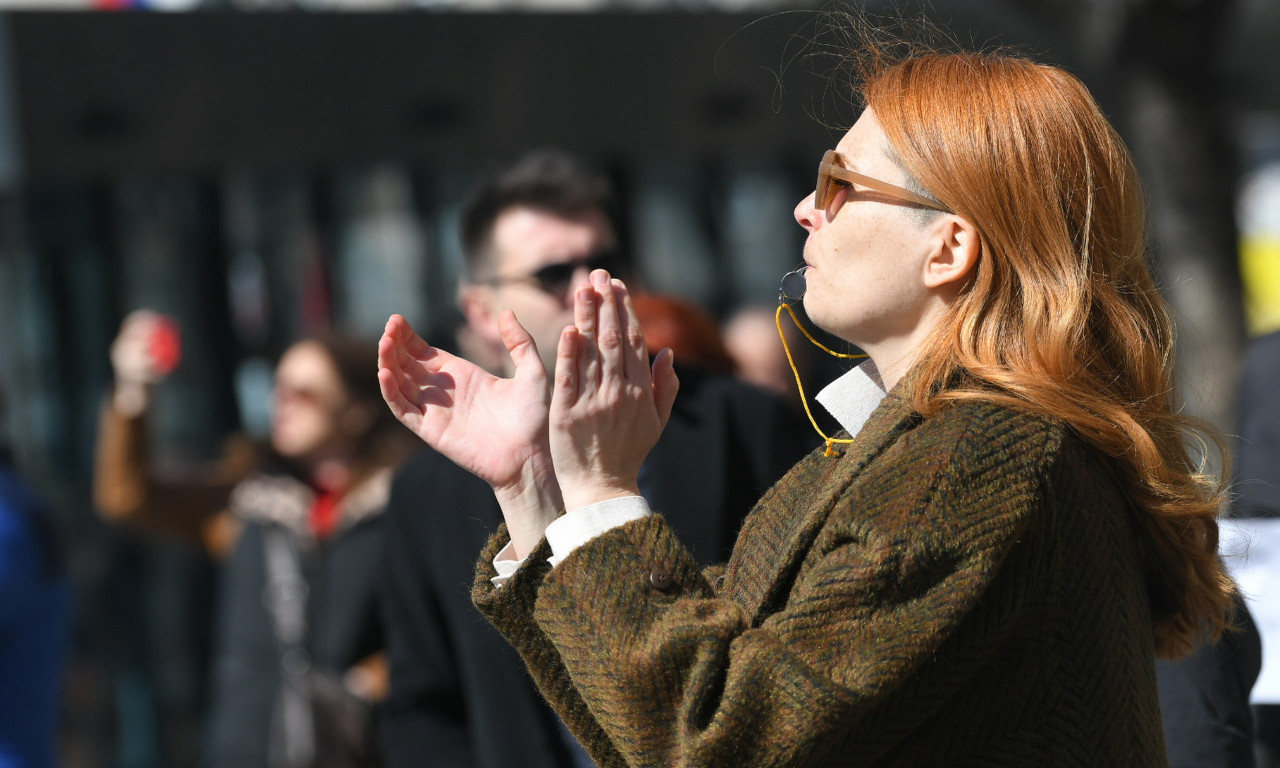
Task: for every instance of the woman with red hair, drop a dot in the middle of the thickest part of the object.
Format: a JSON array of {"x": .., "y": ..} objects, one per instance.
[{"x": 981, "y": 570}]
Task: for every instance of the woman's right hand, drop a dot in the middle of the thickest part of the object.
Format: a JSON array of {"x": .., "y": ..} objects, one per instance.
[{"x": 493, "y": 427}]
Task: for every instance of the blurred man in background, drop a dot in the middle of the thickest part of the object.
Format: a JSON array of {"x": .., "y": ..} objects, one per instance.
[{"x": 459, "y": 694}]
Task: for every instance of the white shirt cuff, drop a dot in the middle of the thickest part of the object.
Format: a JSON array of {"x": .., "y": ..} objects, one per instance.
[
  {"x": 568, "y": 532},
  {"x": 505, "y": 563},
  {"x": 574, "y": 529}
]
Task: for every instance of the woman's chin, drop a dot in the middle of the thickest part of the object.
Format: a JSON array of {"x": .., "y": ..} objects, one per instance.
[
  {"x": 287, "y": 447},
  {"x": 814, "y": 311}
]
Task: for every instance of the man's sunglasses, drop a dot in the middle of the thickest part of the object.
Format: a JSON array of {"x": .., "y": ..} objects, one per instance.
[
  {"x": 831, "y": 173},
  {"x": 556, "y": 279}
]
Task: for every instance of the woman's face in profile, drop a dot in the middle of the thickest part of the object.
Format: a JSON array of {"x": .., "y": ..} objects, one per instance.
[
  {"x": 865, "y": 251},
  {"x": 308, "y": 404}
]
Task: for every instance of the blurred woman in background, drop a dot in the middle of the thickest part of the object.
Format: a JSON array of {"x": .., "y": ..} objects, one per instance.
[{"x": 296, "y": 524}]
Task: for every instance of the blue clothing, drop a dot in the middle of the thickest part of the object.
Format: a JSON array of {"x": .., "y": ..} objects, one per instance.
[{"x": 34, "y": 603}]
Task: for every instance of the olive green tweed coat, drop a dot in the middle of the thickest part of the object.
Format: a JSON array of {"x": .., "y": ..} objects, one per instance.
[{"x": 958, "y": 590}]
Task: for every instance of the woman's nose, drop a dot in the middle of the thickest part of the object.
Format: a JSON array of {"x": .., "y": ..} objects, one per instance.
[{"x": 806, "y": 215}]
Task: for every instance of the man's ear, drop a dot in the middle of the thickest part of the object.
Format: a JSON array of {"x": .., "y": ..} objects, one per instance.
[
  {"x": 480, "y": 310},
  {"x": 955, "y": 256}
]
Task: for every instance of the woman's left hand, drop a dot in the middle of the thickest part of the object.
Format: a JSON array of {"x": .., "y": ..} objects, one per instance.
[{"x": 608, "y": 406}]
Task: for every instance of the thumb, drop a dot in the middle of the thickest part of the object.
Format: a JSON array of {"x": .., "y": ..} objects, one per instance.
[
  {"x": 520, "y": 346},
  {"x": 665, "y": 384}
]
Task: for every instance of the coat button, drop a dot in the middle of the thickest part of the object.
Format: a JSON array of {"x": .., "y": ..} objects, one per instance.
[{"x": 661, "y": 579}]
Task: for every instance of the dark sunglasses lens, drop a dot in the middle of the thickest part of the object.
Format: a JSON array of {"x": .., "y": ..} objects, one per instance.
[
  {"x": 607, "y": 260},
  {"x": 555, "y": 278}
]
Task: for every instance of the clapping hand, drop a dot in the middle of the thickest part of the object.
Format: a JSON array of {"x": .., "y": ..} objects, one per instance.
[
  {"x": 608, "y": 406},
  {"x": 495, "y": 428}
]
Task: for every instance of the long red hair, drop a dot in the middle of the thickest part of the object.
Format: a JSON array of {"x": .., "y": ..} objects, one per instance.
[{"x": 1062, "y": 315}]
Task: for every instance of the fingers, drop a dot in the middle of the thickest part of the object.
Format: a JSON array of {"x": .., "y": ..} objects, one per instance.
[
  {"x": 606, "y": 409},
  {"x": 387, "y": 341},
  {"x": 604, "y": 353},
  {"x": 665, "y": 385},
  {"x": 404, "y": 348},
  {"x": 404, "y": 411},
  {"x": 409, "y": 369},
  {"x": 568, "y": 382},
  {"x": 520, "y": 346},
  {"x": 586, "y": 308},
  {"x": 635, "y": 352},
  {"x": 408, "y": 343},
  {"x": 609, "y": 334},
  {"x": 393, "y": 382},
  {"x": 391, "y": 349}
]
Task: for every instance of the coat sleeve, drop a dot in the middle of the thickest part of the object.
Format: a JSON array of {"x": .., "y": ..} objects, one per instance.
[
  {"x": 678, "y": 676},
  {"x": 126, "y": 489},
  {"x": 511, "y": 610}
]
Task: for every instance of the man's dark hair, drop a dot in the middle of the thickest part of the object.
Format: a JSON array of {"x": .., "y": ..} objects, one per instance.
[{"x": 546, "y": 180}]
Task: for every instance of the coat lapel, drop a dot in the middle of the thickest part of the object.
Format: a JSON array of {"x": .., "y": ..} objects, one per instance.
[{"x": 779, "y": 532}]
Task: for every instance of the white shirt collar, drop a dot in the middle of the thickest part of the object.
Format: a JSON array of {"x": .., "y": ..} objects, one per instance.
[{"x": 853, "y": 397}]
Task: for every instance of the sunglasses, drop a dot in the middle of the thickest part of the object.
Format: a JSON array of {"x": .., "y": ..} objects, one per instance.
[
  {"x": 305, "y": 396},
  {"x": 556, "y": 279},
  {"x": 831, "y": 174}
]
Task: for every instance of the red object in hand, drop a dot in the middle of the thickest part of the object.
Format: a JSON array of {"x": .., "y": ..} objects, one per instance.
[{"x": 166, "y": 345}]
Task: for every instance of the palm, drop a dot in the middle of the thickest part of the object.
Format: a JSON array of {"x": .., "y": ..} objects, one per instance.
[{"x": 487, "y": 425}]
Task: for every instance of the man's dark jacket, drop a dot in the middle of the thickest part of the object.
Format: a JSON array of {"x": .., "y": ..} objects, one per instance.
[
  {"x": 460, "y": 694},
  {"x": 1257, "y": 480},
  {"x": 1204, "y": 699}
]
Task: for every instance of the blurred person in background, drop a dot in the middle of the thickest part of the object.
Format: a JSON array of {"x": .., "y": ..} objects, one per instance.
[
  {"x": 1204, "y": 699},
  {"x": 34, "y": 623},
  {"x": 690, "y": 332},
  {"x": 751, "y": 336},
  {"x": 298, "y": 527},
  {"x": 460, "y": 696},
  {"x": 1257, "y": 484},
  {"x": 1257, "y": 475}
]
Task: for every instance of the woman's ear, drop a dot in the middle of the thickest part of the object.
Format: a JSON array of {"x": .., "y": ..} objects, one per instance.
[{"x": 955, "y": 256}]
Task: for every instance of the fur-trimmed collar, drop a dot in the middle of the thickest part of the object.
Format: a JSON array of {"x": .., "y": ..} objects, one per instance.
[{"x": 286, "y": 501}]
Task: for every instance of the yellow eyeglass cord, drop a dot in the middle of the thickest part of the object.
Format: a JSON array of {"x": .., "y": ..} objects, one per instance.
[{"x": 777, "y": 317}]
